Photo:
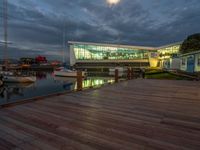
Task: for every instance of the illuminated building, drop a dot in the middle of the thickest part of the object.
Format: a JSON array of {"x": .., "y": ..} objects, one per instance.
[
  {"x": 94, "y": 55},
  {"x": 169, "y": 56}
]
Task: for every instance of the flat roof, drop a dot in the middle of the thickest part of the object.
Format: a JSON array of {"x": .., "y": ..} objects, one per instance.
[
  {"x": 126, "y": 46},
  {"x": 191, "y": 53},
  {"x": 114, "y": 45},
  {"x": 168, "y": 45}
]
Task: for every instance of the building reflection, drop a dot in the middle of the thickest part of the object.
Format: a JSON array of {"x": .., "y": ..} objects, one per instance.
[
  {"x": 71, "y": 83},
  {"x": 96, "y": 82},
  {"x": 41, "y": 75}
]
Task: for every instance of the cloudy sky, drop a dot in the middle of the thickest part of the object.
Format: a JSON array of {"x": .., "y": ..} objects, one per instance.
[{"x": 36, "y": 26}]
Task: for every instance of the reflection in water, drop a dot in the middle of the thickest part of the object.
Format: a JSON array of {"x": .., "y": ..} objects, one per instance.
[
  {"x": 87, "y": 83},
  {"x": 95, "y": 82},
  {"x": 9, "y": 90},
  {"x": 46, "y": 84},
  {"x": 41, "y": 75}
]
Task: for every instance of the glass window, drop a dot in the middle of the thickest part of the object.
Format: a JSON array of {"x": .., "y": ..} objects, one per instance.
[{"x": 95, "y": 52}]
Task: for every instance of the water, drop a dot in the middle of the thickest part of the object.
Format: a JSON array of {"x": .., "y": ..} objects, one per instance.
[{"x": 46, "y": 84}]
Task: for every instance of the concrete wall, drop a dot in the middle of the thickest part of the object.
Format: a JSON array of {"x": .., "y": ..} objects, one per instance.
[
  {"x": 175, "y": 63},
  {"x": 72, "y": 56},
  {"x": 171, "y": 63}
]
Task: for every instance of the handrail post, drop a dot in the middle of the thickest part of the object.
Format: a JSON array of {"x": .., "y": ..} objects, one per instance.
[{"x": 79, "y": 81}]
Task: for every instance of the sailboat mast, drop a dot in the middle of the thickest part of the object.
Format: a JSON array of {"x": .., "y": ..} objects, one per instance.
[{"x": 5, "y": 25}]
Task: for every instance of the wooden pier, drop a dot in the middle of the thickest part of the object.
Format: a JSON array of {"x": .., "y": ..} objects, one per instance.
[{"x": 131, "y": 115}]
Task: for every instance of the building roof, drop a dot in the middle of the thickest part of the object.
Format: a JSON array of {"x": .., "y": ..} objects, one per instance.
[
  {"x": 114, "y": 45},
  {"x": 191, "y": 53},
  {"x": 168, "y": 45}
]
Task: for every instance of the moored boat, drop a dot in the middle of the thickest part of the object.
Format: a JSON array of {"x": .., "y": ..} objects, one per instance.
[
  {"x": 67, "y": 73},
  {"x": 6, "y": 73},
  {"x": 19, "y": 79}
]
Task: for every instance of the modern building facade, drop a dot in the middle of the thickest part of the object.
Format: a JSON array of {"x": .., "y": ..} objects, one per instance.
[
  {"x": 97, "y": 55},
  {"x": 94, "y": 55},
  {"x": 91, "y": 55}
]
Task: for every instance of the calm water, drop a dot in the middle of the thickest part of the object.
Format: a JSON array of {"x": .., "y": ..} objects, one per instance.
[{"x": 46, "y": 84}]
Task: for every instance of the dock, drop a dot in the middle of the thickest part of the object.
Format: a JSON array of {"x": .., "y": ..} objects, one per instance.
[{"x": 138, "y": 114}]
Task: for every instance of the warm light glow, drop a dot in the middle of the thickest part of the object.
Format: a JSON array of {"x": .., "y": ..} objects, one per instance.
[{"x": 113, "y": 2}]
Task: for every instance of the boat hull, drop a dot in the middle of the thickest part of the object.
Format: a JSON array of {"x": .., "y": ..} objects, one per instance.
[
  {"x": 68, "y": 74},
  {"x": 19, "y": 79}
]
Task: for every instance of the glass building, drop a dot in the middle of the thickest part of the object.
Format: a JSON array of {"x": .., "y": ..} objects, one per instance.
[
  {"x": 169, "y": 56},
  {"x": 94, "y": 52},
  {"x": 97, "y": 54},
  {"x": 169, "y": 51}
]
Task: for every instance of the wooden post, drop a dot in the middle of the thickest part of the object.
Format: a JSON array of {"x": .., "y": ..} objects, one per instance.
[
  {"x": 79, "y": 81},
  {"x": 132, "y": 73},
  {"x": 116, "y": 75}
]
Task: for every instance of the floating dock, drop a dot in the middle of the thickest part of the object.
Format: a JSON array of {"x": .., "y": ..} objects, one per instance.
[{"x": 130, "y": 115}]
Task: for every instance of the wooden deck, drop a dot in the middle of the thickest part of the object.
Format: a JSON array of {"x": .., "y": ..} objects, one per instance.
[{"x": 134, "y": 115}]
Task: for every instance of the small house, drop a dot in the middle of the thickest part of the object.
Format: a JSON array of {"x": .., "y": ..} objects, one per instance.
[{"x": 190, "y": 62}]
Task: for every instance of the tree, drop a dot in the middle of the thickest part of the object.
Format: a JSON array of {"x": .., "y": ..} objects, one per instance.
[{"x": 192, "y": 43}]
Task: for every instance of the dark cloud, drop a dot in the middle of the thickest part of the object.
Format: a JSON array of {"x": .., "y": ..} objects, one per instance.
[{"x": 36, "y": 27}]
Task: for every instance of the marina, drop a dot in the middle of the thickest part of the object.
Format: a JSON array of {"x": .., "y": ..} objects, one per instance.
[
  {"x": 46, "y": 84},
  {"x": 135, "y": 114},
  {"x": 99, "y": 75}
]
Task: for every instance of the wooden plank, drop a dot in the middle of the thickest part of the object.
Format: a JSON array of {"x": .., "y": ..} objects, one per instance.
[{"x": 138, "y": 114}]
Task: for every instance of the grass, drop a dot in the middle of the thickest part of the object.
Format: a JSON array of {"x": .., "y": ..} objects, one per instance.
[{"x": 164, "y": 76}]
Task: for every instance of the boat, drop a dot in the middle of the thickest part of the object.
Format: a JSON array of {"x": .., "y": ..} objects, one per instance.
[
  {"x": 6, "y": 75},
  {"x": 19, "y": 79},
  {"x": 65, "y": 79},
  {"x": 19, "y": 85},
  {"x": 16, "y": 77},
  {"x": 63, "y": 72}
]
